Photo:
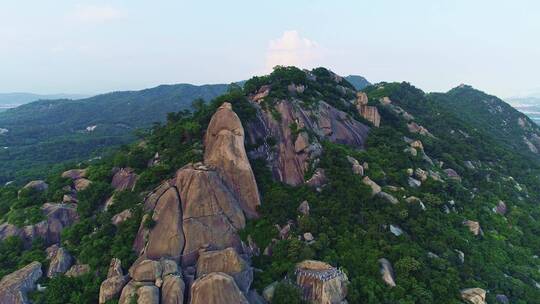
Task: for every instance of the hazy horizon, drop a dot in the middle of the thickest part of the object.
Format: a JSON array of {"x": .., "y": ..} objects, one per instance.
[{"x": 92, "y": 47}]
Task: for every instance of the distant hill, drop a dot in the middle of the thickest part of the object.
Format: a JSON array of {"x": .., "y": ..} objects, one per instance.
[
  {"x": 45, "y": 132},
  {"x": 358, "y": 82},
  {"x": 12, "y": 100},
  {"x": 492, "y": 115},
  {"x": 528, "y": 105}
]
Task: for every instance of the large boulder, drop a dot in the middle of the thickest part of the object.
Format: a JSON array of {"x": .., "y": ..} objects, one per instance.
[
  {"x": 59, "y": 260},
  {"x": 211, "y": 213},
  {"x": 227, "y": 261},
  {"x": 146, "y": 270},
  {"x": 15, "y": 286},
  {"x": 78, "y": 270},
  {"x": 224, "y": 150},
  {"x": 74, "y": 174},
  {"x": 474, "y": 295},
  {"x": 37, "y": 185},
  {"x": 111, "y": 288},
  {"x": 474, "y": 227},
  {"x": 321, "y": 283},
  {"x": 148, "y": 295},
  {"x": 216, "y": 288},
  {"x": 173, "y": 290},
  {"x": 375, "y": 189},
  {"x": 370, "y": 113},
  {"x": 57, "y": 217},
  {"x": 387, "y": 272},
  {"x": 81, "y": 184},
  {"x": 166, "y": 238},
  {"x": 124, "y": 179}
]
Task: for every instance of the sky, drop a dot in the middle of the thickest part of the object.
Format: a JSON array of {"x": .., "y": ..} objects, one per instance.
[{"x": 88, "y": 47}]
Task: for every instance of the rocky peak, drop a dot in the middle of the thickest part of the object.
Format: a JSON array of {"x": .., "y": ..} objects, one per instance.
[{"x": 224, "y": 150}]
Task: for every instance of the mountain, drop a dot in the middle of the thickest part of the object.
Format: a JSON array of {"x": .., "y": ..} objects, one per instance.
[
  {"x": 493, "y": 115},
  {"x": 12, "y": 100},
  {"x": 42, "y": 133},
  {"x": 295, "y": 188},
  {"x": 358, "y": 82},
  {"x": 530, "y": 106}
]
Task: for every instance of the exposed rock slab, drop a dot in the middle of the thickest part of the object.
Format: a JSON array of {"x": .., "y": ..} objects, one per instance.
[
  {"x": 387, "y": 272},
  {"x": 15, "y": 286},
  {"x": 59, "y": 260},
  {"x": 216, "y": 288},
  {"x": 474, "y": 295},
  {"x": 124, "y": 179},
  {"x": 227, "y": 261},
  {"x": 224, "y": 150}
]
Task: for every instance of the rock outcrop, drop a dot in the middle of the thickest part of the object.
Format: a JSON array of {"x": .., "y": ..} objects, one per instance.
[
  {"x": 321, "y": 283},
  {"x": 37, "y": 185},
  {"x": 375, "y": 189},
  {"x": 59, "y": 260},
  {"x": 474, "y": 295},
  {"x": 124, "y": 179},
  {"x": 224, "y": 150},
  {"x": 113, "y": 285},
  {"x": 188, "y": 244},
  {"x": 370, "y": 113},
  {"x": 474, "y": 227},
  {"x": 387, "y": 272},
  {"x": 297, "y": 131},
  {"x": 226, "y": 261},
  {"x": 58, "y": 216},
  {"x": 216, "y": 288},
  {"x": 74, "y": 174},
  {"x": 15, "y": 286},
  {"x": 78, "y": 270}
]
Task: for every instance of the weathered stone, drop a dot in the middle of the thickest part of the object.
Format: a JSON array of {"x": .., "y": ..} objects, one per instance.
[
  {"x": 81, "y": 184},
  {"x": 500, "y": 208},
  {"x": 60, "y": 261},
  {"x": 224, "y": 150},
  {"x": 318, "y": 179},
  {"x": 417, "y": 144},
  {"x": 166, "y": 238},
  {"x": 148, "y": 295},
  {"x": 321, "y": 283},
  {"x": 37, "y": 185},
  {"x": 211, "y": 213},
  {"x": 173, "y": 290},
  {"x": 227, "y": 261},
  {"x": 474, "y": 295},
  {"x": 70, "y": 198},
  {"x": 121, "y": 217},
  {"x": 421, "y": 174},
  {"x": 301, "y": 143},
  {"x": 304, "y": 208},
  {"x": 284, "y": 231},
  {"x": 323, "y": 120},
  {"x": 269, "y": 291},
  {"x": 74, "y": 174},
  {"x": 216, "y": 288},
  {"x": 387, "y": 272},
  {"x": 414, "y": 182},
  {"x": 388, "y": 197},
  {"x": 308, "y": 237},
  {"x": 452, "y": 174},
  {"x": 15, "y": 286},
  {"x": 356, "y": 167},
  {"x": 146, "y": 270},
  {"x": 396, "y": 230},
  {"x": 78, "y": 270},
  {"x": 374, "y": 187},
  {"x": 124, "y": 179},
  {"x": 474, "y": 227},
  {"x": 115, "y": 268},
  {"x": 416, "y": 128},
  {"x": 111, "y": 288}
]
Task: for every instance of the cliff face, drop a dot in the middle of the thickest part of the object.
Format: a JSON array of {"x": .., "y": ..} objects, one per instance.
[
  {"x": 291, "y": 134},
  {"x": 197, "y": 214}
]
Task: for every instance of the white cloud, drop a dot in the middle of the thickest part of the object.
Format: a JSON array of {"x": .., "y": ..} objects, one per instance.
[
  {"x": 292, "y": 49},
  {"x": 96, "y": 13}
]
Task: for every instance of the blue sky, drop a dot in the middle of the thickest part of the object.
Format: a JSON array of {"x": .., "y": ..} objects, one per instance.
[{"x": 96, "y": 46}]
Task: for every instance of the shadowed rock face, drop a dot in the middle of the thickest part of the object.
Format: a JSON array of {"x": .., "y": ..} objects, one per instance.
[
  {"x": 15, "y": 286},
  {"x": 224, "y": 150},
  {"x": 289, "y": 159}
]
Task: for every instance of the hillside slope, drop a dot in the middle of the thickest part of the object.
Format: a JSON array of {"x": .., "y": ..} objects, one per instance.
[
  {"x": 297, "y": 188},
  {"x": 43, "y": 133}
]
